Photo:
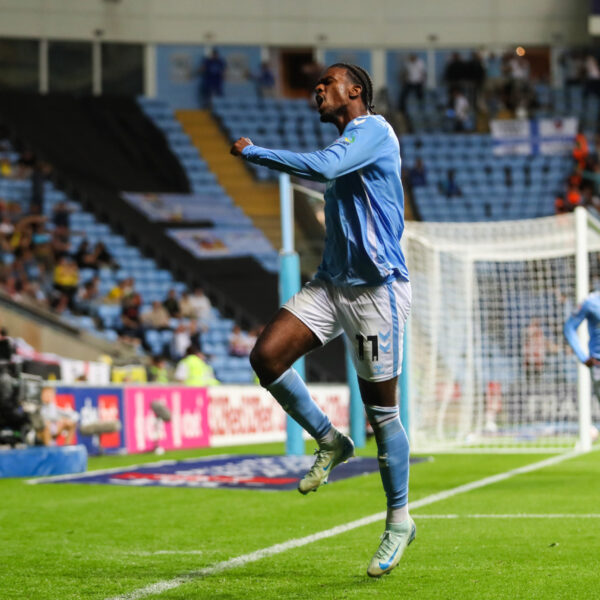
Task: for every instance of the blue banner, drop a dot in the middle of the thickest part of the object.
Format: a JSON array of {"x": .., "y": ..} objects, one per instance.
[{"x": 97, "y": 404}]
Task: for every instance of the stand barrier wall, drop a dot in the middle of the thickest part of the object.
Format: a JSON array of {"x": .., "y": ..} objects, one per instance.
[{"x": 200, "y": 417}]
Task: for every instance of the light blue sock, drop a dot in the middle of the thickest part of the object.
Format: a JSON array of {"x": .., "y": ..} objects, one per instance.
[
  {"x": 293, "y": 395},
  {"x": 393, "y": 452}
]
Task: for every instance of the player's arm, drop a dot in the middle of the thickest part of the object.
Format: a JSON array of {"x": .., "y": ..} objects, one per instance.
[
  {"x": 358, "y": 147},
  {"x": 570, "y": 331}
]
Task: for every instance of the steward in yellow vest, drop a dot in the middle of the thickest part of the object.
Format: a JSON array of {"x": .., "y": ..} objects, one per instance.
[{"x": 193, "y": 370}]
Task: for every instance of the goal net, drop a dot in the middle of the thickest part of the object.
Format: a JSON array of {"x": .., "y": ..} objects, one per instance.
[{"x": 489, "y": 366}]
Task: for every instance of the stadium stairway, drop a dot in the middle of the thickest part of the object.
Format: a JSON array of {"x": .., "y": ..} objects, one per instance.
[{"x": 260, "y": 201}]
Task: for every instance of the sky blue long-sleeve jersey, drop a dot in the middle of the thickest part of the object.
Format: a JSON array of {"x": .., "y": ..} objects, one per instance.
[
  {"x": 590, "y": 310},
  {"x": 364, "y": 200}
]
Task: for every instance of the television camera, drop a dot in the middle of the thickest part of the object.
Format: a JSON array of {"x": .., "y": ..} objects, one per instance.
[{"x": 20, "y": 400}]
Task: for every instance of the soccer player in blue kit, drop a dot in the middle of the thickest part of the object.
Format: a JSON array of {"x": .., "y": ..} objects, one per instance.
[
  {"x": 590, "y": 311},
  {"x": 361, "y": 288}
]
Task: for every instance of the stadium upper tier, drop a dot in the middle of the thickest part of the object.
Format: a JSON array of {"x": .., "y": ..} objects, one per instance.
[
  {"x": 491, "y": 188},
  {"x": 430, "y": 115}
]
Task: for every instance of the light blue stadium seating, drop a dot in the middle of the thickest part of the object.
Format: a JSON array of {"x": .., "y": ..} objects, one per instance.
[{"x": 486, "y": 194}]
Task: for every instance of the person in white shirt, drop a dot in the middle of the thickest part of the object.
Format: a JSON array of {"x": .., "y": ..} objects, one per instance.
[
  {"x": 459, "y": 111},
  {"x": 200, "y": 305},
  {"x": 413, "y": 80},
  {"x": 592, "y": 76},
  {"x": 57, "y": 421}
]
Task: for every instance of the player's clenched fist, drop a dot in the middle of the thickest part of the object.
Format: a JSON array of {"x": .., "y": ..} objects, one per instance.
[{"x": 238, "y": 146}]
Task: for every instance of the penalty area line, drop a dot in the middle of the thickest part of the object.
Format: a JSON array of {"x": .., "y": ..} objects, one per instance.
[{"x": 244, "y": 559}]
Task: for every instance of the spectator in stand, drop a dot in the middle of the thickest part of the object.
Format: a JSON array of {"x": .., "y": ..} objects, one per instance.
[
  {"x": 95, "y": 258},
  {"x": 66, "y": 281},
  {"x": 30, "y": 265},
  {"x": 171, "y": 304},
  {"x": 265, "y": 81},
  {"x": 589, "y": 199},
  {"x": 83, "y": 255},
  {"x": 88, "y": 297},
  {"x": 6, "y": 168},
  {"x": 459, "y": 111},
  {"x": 493, "y": 72},
  {"x": 572, "y": 199},
  {"x": 195, "y": 333},
  {"x": 181, "y": 341},
  {"x": 60, "y": 242},
  {"x": 201, "y": 306},
  {"x": 518, "y": 91},
  {"x": 132, "y": 331},
  {"x": 450, "y": 188},
  {"x": 157, "y": 317},
  {"x": 253, "y": 335},
  {"x": 102, "y": 258},
  {"x": 13, "y": 287},
  {"x": 573, "y": 67},
  {"x": 454, "y": 73},
  {"x": 475, "y": 75},
  {"x": 40, "y": 174},
  {"x": 124, "y": 288},
  {"x": 574, "y": 72},
  {"x": 238, "y": 342},
  {"x": 591, "y": 175},
  {"x": 186, "y": 306},
  {"x": 536, "y": 346},
  {"x": 414, "y": 77},
  {"x": 417, "y": 175},
  {"x": 581, "y": 149},
  {"x": 212, "y": 73},
  {"x": 61, "y": 215},
  {"x": 193, "y": 369},
  {"x": 33, "y": 292},
  {"x": 592, "y": 76},
  {"x": 35, "y": 234}
]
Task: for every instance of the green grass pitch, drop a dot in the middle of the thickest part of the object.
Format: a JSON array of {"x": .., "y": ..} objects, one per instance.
[{"x": 79, "y": 541}]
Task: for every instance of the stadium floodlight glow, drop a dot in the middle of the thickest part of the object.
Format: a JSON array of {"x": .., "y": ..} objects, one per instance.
[{"x": 489, "y": 366}]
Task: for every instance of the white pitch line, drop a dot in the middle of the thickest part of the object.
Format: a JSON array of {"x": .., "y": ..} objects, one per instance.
[
  {"x": 159, "y": 552},
  {"x": 244, "y": 559},
  {"x": 514, "y": 516}
]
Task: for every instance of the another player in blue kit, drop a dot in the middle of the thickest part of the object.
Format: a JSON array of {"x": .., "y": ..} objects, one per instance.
[
  {"x": 590, "y": 311},
  {"x": 361, "y": 288}
]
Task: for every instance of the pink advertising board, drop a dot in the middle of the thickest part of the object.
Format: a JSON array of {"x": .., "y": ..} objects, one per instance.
[{"x": 188, "y": 427}]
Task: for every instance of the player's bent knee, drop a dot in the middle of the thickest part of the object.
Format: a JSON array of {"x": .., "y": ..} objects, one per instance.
[{"x": 266, "y": 363}]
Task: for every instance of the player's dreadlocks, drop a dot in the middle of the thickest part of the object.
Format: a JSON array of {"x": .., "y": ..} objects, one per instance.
[{"x": 360, "y": 76}]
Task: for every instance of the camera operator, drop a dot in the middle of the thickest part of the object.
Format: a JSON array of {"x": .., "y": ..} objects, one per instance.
[{"x": 57, "y": 420}]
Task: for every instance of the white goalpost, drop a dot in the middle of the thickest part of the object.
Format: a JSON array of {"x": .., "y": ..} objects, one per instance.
[
  {"x": 488, "y": 366},
  {"x": 490, "y": 369}
]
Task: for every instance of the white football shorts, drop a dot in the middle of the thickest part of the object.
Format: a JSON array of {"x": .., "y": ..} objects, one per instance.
[{"x": 372, "y": 318}]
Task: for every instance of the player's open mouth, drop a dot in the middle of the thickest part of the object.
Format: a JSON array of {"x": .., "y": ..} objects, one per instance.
[{"x": 319, "y": 100}]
